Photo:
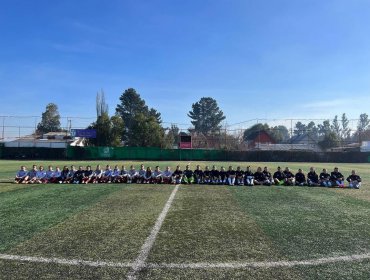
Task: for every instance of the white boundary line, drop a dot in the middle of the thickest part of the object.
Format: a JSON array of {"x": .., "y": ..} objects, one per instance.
[
  {"x": 203, "y": 265},
  {"x": 139, "y": 263},
  {"x": 63, "y": 261}
]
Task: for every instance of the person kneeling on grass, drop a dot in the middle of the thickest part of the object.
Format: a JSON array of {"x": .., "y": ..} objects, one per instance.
[
  {"x": 259, "y": 177},
  {"x": 188, "y": 177},
  {"x": 279, "y": 177},
  {"x": 313, "y": 178},
  {"x": 248, "y": 177},
  {"x": 177, "y": 175},
  {"x": 71, "y": 173},
  {"x": 157, "y": 176},
  {"x": 354, "y": 180},
  {"x": 300, "y": 178},
  {"x": 198, "y": 175},
  {"x": 337, "y": 178},
  {"x": 41, "y": 175},
  {"x": 21, "y": 176},
  {"x": 325, "y": 178},
  {"x": 167, "y": 175},
  {"x": 106, "y": 177}
]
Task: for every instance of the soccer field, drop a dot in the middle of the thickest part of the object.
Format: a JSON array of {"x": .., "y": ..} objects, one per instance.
[{"x": 121, "y": 231}]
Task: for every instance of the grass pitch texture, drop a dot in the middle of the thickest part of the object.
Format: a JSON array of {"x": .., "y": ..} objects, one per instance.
[{"x": 204, "y": 226}]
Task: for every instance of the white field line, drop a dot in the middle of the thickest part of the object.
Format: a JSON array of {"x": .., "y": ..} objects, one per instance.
[
  {"x": 63, "y": 261},
  {"x": 203, "y": 265},
  {"x": 139, "y": 263},
  {"x": 233, "y": 265}
]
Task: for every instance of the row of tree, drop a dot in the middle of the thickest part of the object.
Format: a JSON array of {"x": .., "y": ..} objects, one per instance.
[{"x": 135, "y": 124}]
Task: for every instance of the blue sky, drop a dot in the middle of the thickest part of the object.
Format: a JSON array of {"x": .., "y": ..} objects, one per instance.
[{"x": 259, "y": 59}]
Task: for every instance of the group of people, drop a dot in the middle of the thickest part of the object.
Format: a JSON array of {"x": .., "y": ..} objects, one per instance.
[{"x": 213, "y": 176}]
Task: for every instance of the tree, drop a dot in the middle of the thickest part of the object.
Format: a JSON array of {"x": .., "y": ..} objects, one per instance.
[
  {"x": 330, "y": 140},
  {"x": 108, "y": 131},
  {"x": 146, "y": 132},
  {"x": 249, "y": 132},
  {"x": 324, "y": 128},
  {"x": 335, "y": 127},
  {"x": 132, "y": 105},
  {"x": 280, "y": 133},
  {"x": 363, "y": 123},
  {"x": 300, "y": 129},
  {"x": 50, "y": 120},
  {"x": 206, "y": 115},
  {"x": 101, "y": 105},
  {"x": 345, "y": 131}
]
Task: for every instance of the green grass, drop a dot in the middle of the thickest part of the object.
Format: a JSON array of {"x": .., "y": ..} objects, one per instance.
[{"x": 110, "y": 222}]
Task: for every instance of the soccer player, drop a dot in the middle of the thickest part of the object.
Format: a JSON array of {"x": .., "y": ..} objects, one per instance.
[
  {"x": 354, "y": 180},
  {"x": 167, "y": 175},
  {"x": 279, "y": 177},
  {"x": 188, "y": 177},
  {"x": 223, "y": 176},
  {"x": 157, "y": 176},
  {"x": 198, "y": 175},
  {"x": 124, "y": 175},
  {"x": 116, "y": 174},
  {"x": 141, "y": 174},
  {"x": 148, "y": 175},
  {"x": 337, "y": 178},
  {"x": 268, "y": 177},
  {"x": 106, "y": 177},
  {"x": 70, "y": 175},
  {"x": 207, "y": 175},
  {"x": 64, "y": 174},
  {"x": 21, "y": 176},
  {"x": 259, "y": 177},
  {"x": 231, "y": 175},
  {"x": 177, "y": 175},
  {"x": 31, "y": 176},
  {"x": 313, "y": 178},
  {"x": 239, "y": 176},
  {"x": 96, "y": 176},
  {"x": 78, "y": 175},
  {"x": 87, "y": 175},
  {"x": 41, "y": 175},
  {"x": 289, "y": 177},
  {"x": 248, "y": 177},
  {"x": 133, "y": 175},
  {"x": 300, "y": 178},
  {"x": 215, "y": 175},
  {"x": 325, "y": 178},
  {"x": 49, "y": 174},
  {"x": 57, "y": 176}
]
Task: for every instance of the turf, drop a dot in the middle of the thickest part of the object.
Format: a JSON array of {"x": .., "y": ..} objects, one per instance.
[{"x": 110, "y": 222}]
